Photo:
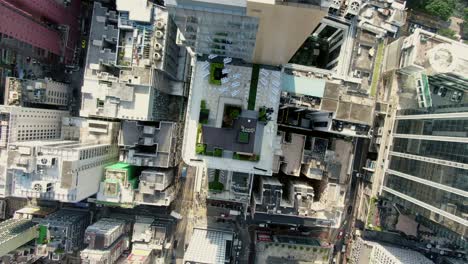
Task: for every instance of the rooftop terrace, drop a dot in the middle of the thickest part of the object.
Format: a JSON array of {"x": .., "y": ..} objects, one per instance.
[{"x": 220, "y": 125}]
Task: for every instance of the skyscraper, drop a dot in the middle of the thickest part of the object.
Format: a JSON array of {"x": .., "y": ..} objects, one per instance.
[
  {"x": 428, "y": 168},
  {"x": 425, "y": 167},
  {"x": 253, "y": 30},
  {"x": 48, "y": 27}
]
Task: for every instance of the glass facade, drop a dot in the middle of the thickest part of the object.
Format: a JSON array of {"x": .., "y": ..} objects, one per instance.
[
  {"x": 450, "y": 151},
  {"x": 444, "y": 200},
  {"x": 434, "y": 127},
  {"x": 440, "y": 224},
  {"x": 462, "y": 107},
  {"x": 213, "y": 29},
  {"x": 433, "y": 161},
  {"x": 446, "y": 175}
]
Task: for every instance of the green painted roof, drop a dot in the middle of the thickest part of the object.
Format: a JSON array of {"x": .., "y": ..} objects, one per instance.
[
  {"x": 119, "y": 166},
  {"x": 426, "y": 90},
  {"x": 303, "y": 85}
]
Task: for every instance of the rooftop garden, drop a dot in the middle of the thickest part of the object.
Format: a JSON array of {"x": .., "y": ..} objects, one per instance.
[
  {"x": 373, "y": 220},
  {"x": 264, "y": 114},
  {"x": 253, "y": 87},
  {"x": 215, "y": 185},
  {"x": 243, "y": 137},
  {"x": 204, "y": 113},
  {"x": 231, "y": 112},
  {"x": 253, "y": 157},
  {"x": 377, "y": 66},
  {"x": 216, "y": 73},
  {"x": 201, "y": 149}
]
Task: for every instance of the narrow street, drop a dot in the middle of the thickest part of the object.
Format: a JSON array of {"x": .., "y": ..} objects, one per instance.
[
  {"x": 361, "y": 147},
  {"x": 183, "y": 205}
]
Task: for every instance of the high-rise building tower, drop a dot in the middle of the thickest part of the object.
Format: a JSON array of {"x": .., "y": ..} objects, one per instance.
[
  {"x": 426, "y": 169},
  {"x": 365, "y": 251},
  {"x": 48, "y": 28},
  {"x": 132, "y": 66},
  {"x": 253, "y": 30},
  {"x": 428, "y": 165}
]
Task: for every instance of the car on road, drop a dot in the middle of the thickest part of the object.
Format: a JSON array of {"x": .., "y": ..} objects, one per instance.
[
  {"x": 442, "y": 92},
  {"x": 175, "y": 244},
  {"x": 350, "y": 209},
  {"x": 340, "y": 235},
  {"x": 183, "y": 173}
]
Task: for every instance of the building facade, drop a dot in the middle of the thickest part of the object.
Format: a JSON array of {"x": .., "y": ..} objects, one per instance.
[
  {"x": 60, "y": 164},
  {"x": 132, "y": 68},
  {"x": 26, "y": 20},
  {"x": 150, "y": 144},
  {"x": 21, "y": 124},
  {"x": 245, "y": 29},
  {"x": 62, "y": 232},
  {"x": 37, "y": 93},
  {"x": 428, "y": 165},
  {"x": 365, "y": 251},
  {"x": 212, "y": 27}
]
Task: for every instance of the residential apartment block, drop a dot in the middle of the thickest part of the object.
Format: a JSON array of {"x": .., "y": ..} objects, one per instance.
[
  {"x": 67, "y": 228},
  {"x": 40, "y": 40},
  {"x": 132, "y": 68},
  {"x": 246, "y": 29},
  {"x": 37, "y": 93},
  {"x": 149, "y": 144},
  {"x": 63, "y": 168},
  {"x": 22, "y": 124}
]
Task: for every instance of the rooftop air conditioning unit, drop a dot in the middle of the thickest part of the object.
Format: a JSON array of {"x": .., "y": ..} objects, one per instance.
[
  {"x": 159, "y": 34},
  {"x": 158, "y": 46},
  {"x": 42, "y": 186},
  {"x": 47, "y": 161},
  {"x": 336, "y": 4},
  {"x": 355, "y": 6},
  {"x": 160, "y": 24},
  {"x": 157, "y": 56}
]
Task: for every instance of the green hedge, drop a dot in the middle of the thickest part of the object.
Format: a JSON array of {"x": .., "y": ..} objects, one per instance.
[
  {"x": 253, "y": 87},
  {"x": 213, "y": 67},
  {"x": 215, "y": 184},
  {"x": 262, "y": 114},
  {"x": 218, "y": 152},
  {"x": 204, "y": 114},
  {"x": 200, "y": 148}
]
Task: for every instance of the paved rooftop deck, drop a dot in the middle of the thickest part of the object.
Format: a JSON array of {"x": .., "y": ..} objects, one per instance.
[
  {"x": 230, "y": 136},
  {"x": 236, "y": 88}
]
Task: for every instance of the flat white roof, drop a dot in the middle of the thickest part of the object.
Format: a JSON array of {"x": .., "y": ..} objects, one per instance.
[
  {"x": 235, "y": 91},
  {"x": 139, "y": 10},
  {"x": 208, "y": 246}
]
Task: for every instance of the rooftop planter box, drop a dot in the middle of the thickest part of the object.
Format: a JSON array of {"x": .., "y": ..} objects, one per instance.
[
  {"x": 215, "y": 185},
  {"x": 200, "y": 149},
  {"x": 231, "y": 112},
  {"x": 262, "y": 114},
  {"x": 199, "y": 132},
  {"x": 216, "y": 73},
  {"x": 204, "y": 113},
  {"x": 218, "y": 152},
  {"x": 253, "y": 157}
]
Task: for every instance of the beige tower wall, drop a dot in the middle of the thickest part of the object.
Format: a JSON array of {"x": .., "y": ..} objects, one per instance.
[{"x": 282, "y": 29}]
